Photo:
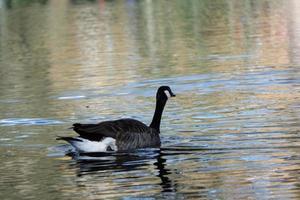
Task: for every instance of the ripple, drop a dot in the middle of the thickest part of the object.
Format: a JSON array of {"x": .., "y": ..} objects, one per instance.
[
  {"x": 71, "y": 97},
  {"x": 28, "y": 122}
]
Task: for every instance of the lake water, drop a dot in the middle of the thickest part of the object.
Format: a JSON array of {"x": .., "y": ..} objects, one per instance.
[{"x": 232, "y": 132}]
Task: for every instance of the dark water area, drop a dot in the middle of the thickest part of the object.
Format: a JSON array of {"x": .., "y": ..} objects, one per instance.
[{"x": 232, "y": 132}]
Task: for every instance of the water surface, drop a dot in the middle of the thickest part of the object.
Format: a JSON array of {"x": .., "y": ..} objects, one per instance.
[{"x": 232, "y": 132}]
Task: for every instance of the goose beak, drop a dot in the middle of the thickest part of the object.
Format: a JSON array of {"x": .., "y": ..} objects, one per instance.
[{"x": 172, "y": 94}]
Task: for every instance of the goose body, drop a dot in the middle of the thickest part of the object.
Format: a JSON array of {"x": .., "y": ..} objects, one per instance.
[{"x": 123, "y": 134}]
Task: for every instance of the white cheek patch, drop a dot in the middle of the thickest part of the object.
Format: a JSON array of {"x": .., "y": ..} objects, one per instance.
[{"x": 167, "y": 93}]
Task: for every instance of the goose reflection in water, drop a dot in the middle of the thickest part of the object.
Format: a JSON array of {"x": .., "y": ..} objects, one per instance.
[{"x": 90, "y": 163}]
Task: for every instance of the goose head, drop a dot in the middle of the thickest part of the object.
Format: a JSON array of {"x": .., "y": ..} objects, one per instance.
[{"x": 163, "y": 93}]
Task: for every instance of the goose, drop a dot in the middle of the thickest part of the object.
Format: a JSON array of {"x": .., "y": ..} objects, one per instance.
[{"x": 122, "y": 134}]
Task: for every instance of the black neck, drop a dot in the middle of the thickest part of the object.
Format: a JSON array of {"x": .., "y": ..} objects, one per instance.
[{"x": 160, "y": 104}]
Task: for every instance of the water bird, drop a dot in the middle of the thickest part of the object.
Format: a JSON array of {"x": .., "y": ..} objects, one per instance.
[{"x": 122, "y": 134}]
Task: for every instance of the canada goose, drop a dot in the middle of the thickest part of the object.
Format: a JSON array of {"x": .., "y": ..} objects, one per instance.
[{"x": 122, "y": 134}]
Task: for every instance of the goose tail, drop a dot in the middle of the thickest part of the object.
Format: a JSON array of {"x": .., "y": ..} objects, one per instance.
[{"x": 76, "y": 126}]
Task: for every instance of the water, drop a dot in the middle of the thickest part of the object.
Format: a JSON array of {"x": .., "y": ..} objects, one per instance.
[{"x": 232, "y": 132}]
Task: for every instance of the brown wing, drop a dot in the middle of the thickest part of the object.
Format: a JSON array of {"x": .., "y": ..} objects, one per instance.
[{"x": 97, "y": 132}]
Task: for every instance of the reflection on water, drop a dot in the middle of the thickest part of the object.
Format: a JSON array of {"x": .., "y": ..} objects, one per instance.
[{"x": 232, "y": 132}]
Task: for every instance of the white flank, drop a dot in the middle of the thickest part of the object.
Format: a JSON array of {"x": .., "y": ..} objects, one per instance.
[{"x": 87, "y": 146}]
